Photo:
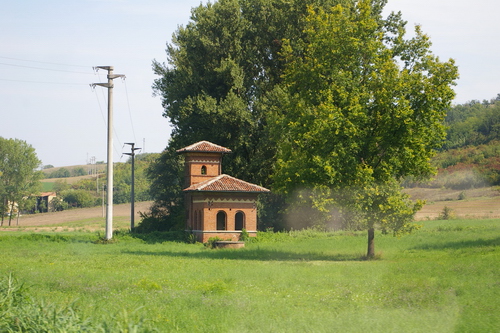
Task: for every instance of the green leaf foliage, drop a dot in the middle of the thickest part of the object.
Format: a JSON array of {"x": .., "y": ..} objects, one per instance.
[
  {"x": 221, "y": 83},
  {"x": 19, "y": 177},
  {"x": 313, "y": 96},
  {"x": 356, "y": 115},
  {"x": 166, "y": 176},
  {"x": 366, "y": 108},
  {"x": 473, "y": 123}
]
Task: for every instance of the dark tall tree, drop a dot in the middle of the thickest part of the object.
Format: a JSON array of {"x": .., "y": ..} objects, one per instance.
[{"x": 220, "y": 82}]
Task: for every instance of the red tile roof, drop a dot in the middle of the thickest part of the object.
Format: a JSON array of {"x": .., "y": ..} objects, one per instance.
[
  {"x": 225, "y": 183},
  {"x": 204, "y": 147}
]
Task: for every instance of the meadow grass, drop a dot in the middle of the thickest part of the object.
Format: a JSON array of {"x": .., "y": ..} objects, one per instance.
[{"x": 443, "y": 278}]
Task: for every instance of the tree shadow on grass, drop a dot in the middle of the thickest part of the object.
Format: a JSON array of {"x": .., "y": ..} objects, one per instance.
[
  {"x": 460, "y": 245},
  {"x": 254, "y": 254}
]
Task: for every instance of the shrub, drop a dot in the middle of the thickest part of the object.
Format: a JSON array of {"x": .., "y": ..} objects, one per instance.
[
  {"x": 244, "y": 236},
  {"x": 159, "y": 219},
  {"x": 211, "y": 243},
  {"x": 446, "y": 214},
  {"x": 57, "y": 204},
  {"x": 78, "y": 198}
]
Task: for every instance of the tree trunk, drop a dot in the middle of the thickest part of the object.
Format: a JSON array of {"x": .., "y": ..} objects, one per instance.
[
  {"x": 4, "y": 206},
  {"x": 371, "y": 244},
  {"x": 11, "y": 211}
]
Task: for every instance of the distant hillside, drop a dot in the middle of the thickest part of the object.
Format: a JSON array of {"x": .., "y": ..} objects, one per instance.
[
  {"x": 78, "y": 186},
  {"x": 470, "y": 156},
  {"x": 74, "y": 171},
  {"x": 473, "y": 123}
]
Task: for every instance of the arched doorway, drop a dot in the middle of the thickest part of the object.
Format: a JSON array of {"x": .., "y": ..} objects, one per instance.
[
  {"x": 221, "y": 220},
  {"x": 239, "y": 221}
]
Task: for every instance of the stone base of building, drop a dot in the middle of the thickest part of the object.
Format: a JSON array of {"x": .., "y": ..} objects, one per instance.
[
  {"x": 204, "y": 236},
  {"x": 229, "y": 245}
]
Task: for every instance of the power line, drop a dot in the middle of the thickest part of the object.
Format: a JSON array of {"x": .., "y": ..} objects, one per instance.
[
  {"x": 45, "y": 69},
  {"x": 100, "y": 108},
  {"x": 129, "y": 112},
  {"x": 44, "y": 62},
  {"x": 115, "y": 133},
  {"x": 44, "y": 82}
]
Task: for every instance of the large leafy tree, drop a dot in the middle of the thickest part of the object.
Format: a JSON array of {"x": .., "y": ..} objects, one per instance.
[
  {"x": 327, "y": 94},
  {"x": 219, "y": 84},
  {"x": 218, "y": 81},
  {"x": 19, "y": 177},
  {"x": 365, "y": 108}
]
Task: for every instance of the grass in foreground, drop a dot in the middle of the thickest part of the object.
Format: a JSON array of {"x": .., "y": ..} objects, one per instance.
[{"x": 443, "y": 278}]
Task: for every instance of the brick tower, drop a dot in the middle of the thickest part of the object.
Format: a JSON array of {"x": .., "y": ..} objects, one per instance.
[{"x": 217, "y": 205}]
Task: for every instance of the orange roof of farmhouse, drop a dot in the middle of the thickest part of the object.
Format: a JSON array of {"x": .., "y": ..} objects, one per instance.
[
  {"x": 204, "y": 147},
  {"x": 226, "y": 183}
]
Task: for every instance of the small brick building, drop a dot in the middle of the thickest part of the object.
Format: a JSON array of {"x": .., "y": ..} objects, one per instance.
[{"x": 217, "y": 205}]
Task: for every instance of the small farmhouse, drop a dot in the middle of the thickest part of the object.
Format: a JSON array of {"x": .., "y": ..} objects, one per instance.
[
  {"x": 43, "y": 201},
  {"x": 217, "y": 205}
]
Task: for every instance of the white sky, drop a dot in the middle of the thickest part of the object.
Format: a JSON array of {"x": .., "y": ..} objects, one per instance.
[{"x": 48, "y": 49}]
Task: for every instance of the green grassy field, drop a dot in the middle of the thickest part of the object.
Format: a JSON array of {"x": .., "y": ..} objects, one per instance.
[{"x": 443, "y": 278}]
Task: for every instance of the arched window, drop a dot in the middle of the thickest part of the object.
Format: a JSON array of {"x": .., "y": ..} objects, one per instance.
[
  {"x": 200, "y": 223},
  {"x": 221, "y": 220},
  {"x": 239, "y": 221},
  {"x": 203, "y": 170}
]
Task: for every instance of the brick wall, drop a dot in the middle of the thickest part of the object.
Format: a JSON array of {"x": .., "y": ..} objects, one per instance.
[
  {"x": 204, "y": 208},
  {"x": 193, "y": 164}
]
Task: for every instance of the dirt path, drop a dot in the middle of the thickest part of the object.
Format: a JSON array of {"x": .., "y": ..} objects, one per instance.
[{"x": 122, "y": 210}]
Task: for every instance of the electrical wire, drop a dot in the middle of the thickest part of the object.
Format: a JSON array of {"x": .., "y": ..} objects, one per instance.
[
  {"x": 115, "y": 133},
  {"x": 44, "y": 82},
  {"x": 61, "y": 83},
  {"x": 45, "y": 69},
  {"x": 100, "y": 108},
  {"x": 44, "y": 62},
  {"x": 129, "y": 112}
]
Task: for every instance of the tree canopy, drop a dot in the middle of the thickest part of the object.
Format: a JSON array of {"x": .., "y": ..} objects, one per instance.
[
  {"x": 219, "y": 83},
  {"x": 365, "y": 109},
  {"x": 327, "y": 102},
  {"x": 19, "y": 177}
]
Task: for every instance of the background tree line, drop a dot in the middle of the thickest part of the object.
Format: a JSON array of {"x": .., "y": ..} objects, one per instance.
[
  {"x": 88, "y": 192},
  {"x": 470, "y": 155},
  {"x": 65, "y": 173},
  {"x": 473, "y": 123}
]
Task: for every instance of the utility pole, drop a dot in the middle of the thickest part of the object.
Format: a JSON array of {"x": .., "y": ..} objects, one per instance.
[
  {"x": 109, "y": 202},
  {"x": 132, "y": 195}
]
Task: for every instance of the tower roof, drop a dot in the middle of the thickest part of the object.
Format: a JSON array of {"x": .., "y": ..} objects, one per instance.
[
  {"x": 204, "y": 147},
  {"x": 226, "y": 183}
]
